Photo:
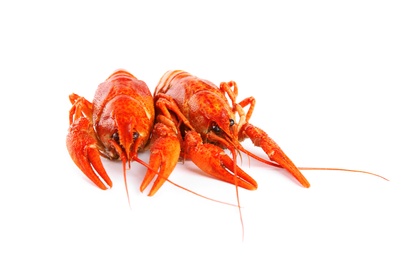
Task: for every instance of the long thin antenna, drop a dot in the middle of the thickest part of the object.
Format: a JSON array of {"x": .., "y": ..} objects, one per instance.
[{"x": 340, "y": 169}]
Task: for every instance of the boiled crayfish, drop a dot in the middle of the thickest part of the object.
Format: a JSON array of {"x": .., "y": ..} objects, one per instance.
[
  {"x": 117, "y": 125},
  {"x": 209, "y": 119},
  {"x": 208, "y": 122}
]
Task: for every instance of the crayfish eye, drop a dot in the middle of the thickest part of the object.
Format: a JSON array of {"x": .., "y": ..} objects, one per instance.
[
  {"x": 135, "y": 135},
  {"x": 216, "y": 129},
  {"x": 231, "y": 122},
  {"x": 115, "y": 137}
]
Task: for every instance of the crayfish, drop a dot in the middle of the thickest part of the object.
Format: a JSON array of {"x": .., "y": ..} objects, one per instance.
[
  {"x": 208, "y": 122},
  {"x": 117, "y": 125},
  {"x": 209, "y": 119}
]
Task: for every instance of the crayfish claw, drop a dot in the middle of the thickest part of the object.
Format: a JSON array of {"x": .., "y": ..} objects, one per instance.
[
  {"x": 82, "y": 146},
  {"x": 164, "y": 155},
  {"x": 274, "y": 152},
  {"x": 214, "y": 161}
]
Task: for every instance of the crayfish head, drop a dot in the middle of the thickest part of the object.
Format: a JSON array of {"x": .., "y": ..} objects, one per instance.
[
  {"x": 212, "y": 117},
  {"x": 124, "y": 130}
]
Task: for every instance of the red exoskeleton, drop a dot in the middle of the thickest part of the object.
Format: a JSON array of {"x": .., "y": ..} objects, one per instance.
[
  {"x": 117, "y": 125},
  {"x": 208, "y": 122}
]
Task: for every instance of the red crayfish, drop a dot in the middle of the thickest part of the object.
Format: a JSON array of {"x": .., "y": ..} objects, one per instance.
[
  {"x": 209, "y": 119},
  {"x": 117, "y": 125},
  {"x": 208, "y": 122}
]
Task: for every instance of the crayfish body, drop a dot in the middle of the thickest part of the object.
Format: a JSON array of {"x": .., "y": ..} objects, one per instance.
[
  {"x": 209, "y": 119},
  {"x": 116, "y": 125}
]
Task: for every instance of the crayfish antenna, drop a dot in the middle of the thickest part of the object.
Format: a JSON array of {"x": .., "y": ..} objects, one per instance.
[
  {"x": 197, "y": 194},
  {"x": 312, "y": 168},
  {"x": 179, "y": 186},
  {"x": 124, "y": 162},
  {"x": 250, "y": 154},
  {"x": 237, "y": 193},
  {"x": 309, "y": 168},
  {"x": 340, "y": 169}
]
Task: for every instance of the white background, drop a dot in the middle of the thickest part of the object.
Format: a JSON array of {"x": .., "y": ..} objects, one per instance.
[{"x": 331, "y": 83}]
